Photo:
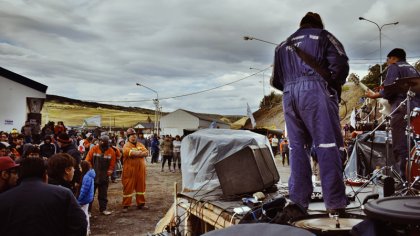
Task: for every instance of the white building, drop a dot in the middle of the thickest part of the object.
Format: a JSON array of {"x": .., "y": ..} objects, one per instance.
[
  {"x": 21, "y": 99},
  {"x": 176, "y": 122}
]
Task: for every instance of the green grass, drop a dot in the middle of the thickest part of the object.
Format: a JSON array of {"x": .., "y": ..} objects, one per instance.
[{"x": 73, "y": 115}]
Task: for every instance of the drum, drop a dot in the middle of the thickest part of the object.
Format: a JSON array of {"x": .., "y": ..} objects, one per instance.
[
  {"x": 415, "y": 163},
  {"x": 400, "y": 212},
  {"x": 415, "y": 120},
  {"x": 322, "y": 224}
]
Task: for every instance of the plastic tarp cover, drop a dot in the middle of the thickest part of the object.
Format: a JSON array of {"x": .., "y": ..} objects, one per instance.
[
  {"x": 202, "y": 149},
  {"x": 368, "y": 153}
]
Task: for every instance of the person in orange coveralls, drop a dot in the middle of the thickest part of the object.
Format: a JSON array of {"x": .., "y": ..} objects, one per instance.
[{"x": 134, "y": 171}]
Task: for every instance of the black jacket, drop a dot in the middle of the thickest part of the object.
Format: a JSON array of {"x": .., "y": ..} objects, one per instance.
[
  {"x": 72, "y": 151},
  {"x": 36, "y": 208}
]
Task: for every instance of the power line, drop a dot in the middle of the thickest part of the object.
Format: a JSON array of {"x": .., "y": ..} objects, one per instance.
[
  {"x": 194, "y": 93},
  {"x": 235, "y": 81}
]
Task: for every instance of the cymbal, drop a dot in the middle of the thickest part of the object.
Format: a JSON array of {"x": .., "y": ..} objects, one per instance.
[{"x": 403, "y": 84}]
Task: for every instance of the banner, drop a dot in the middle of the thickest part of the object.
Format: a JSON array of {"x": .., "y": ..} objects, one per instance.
[
  {"x": 353, "y": 118},
  {"x": 249, "y": 114},
  {"x": 213, "y": 125},
  {"x": 92, "y": 121}
]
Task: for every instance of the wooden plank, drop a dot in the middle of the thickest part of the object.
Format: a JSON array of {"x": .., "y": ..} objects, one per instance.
[{"x": 210, "y": 214}]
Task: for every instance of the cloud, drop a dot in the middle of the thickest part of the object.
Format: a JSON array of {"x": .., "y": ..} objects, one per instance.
[{"x": 99, "y": 49}]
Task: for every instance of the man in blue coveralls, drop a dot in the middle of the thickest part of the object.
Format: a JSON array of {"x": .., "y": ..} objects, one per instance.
[
  {"x": 310, "y": 108},
  {"x": 398, "y": 68}
]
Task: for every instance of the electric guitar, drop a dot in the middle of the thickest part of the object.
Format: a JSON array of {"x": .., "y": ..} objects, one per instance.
[{"x": 386, "y": 107}]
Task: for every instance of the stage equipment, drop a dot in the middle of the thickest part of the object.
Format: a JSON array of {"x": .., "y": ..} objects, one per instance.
[
  {"x": 401, "y": 212},
  {"x": 203, "y": 148},
  {"x": 387, "y": 169},
  {"x": 388, "y": 185},
  {"x": 387, "y": 122},
  {"x": 415, "y": 162},
  {"x": 369, "y": 151},
  {"x": 248, "y": 170},
  {"x": 415, "y": 121},
  {"x": 368, "y": 126},
  {"x": 323, "y": 224},
  {"x": 411, "y": 86},
  {"x": 259, "y": 229}
]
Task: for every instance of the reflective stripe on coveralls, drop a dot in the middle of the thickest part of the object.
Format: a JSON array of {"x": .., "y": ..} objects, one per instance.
[{"x": 133, "y": 194}]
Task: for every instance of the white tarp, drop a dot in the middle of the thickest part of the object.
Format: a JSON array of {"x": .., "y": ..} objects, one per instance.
[
  {"x": 249, "y": 114},
  {"x": 203, "y": 148}
]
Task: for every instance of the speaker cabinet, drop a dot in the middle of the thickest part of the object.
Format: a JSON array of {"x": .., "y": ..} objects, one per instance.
[{"x": 249, "y": 170}]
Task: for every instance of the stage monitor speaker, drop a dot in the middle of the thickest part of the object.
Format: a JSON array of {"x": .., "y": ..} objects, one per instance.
[{"x": 248, "y": 170}]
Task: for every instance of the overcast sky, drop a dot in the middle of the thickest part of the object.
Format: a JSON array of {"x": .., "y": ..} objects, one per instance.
[{"x": 97, "y": 50}]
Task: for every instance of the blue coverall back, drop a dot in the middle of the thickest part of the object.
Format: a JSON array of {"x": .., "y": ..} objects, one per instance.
[{"x": 311, "y": 113}]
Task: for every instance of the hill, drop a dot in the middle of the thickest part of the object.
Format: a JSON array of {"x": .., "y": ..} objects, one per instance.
[{"x": 72, "y": 112}]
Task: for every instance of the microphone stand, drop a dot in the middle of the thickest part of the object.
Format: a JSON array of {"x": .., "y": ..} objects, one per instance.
[{"x": 387, "y": 152}]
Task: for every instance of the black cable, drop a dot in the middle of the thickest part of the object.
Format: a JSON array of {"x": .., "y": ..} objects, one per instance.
[
  {"x": 223, "y": 210},
  {"x": 351, "y": 186}
]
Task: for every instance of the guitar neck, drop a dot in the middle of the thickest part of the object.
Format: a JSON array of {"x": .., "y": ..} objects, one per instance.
[{"x": 364, "y": 87}]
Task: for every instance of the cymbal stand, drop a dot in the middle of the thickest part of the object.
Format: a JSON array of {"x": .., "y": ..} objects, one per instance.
[
  {"x": 385, "y": 168},
  {"x": 386, "y": 120},
  {"x": 377, "y": 174},
  {"x": 408, "y": 190}
]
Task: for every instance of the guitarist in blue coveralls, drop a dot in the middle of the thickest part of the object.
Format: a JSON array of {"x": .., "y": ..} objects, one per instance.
[
  {"x": 398, "y": 68},
  {"x": 310, "y": 106}
]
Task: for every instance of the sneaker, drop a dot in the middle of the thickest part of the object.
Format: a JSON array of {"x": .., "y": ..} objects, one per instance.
[
  {"x": 106, "y": 213},
  {"x": 125, "y": 209},
  {"x": 340, "y": 212}
]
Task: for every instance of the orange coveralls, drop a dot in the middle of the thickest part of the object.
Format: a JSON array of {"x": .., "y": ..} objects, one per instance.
[{"x": 133, "y": 175}]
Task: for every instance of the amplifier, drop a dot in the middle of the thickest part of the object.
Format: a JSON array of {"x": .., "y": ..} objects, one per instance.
[{"x": 248, "y": 170}]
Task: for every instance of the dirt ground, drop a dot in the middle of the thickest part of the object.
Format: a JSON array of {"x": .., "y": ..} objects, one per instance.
[{"x": 159, "y": 197}]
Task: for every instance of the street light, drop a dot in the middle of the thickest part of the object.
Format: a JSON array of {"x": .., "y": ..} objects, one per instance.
[
  {"x": 380, "y": 40},
  {"x": 156, "y": 103},
  {"x": 261, "y": 40},
  {"x": 252, "y": 68}
]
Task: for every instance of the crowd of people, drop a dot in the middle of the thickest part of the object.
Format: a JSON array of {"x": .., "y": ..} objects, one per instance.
[{"x": 82, "y": 163}]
